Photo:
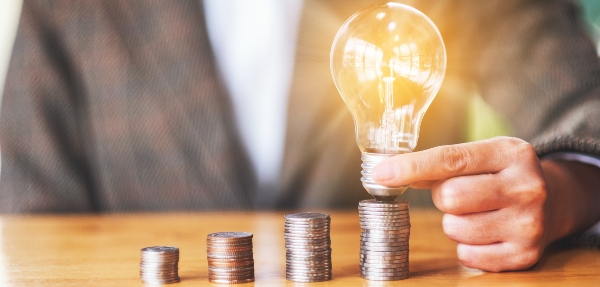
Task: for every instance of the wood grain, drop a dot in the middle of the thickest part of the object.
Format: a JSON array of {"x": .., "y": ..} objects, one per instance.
[{"x": 104, "y": 250}]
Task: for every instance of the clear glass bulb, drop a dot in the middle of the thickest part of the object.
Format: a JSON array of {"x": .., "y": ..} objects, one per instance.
[{"x": 388, "y": 63}]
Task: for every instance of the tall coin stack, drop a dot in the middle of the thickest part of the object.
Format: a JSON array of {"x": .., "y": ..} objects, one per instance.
[
  {"x": 384, "y": 239},
  {"x": 230, "y": 258},
  {"x": 308, "y": 247},
  {"x": 159, "y": 265}
]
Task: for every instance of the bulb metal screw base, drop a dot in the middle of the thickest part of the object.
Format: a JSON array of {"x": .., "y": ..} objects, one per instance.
[{"x": 379, "y": 192}]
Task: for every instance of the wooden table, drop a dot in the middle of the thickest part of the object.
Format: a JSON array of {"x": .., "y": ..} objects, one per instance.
[{"x": 104, "y": 250}]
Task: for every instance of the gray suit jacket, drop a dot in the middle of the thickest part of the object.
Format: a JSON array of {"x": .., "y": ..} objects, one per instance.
[{"x": 117, "y": 105}]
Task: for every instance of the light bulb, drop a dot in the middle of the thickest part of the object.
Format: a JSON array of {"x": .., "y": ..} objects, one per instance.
[{"x": 388, "y": 63}]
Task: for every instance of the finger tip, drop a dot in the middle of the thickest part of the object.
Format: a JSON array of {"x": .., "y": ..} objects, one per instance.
[{"x": 384, "y": 172}]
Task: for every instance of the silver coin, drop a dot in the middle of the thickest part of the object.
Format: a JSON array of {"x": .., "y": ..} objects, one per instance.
[
  {"x": 309, "y": 263},
  {"x": 385, "y": 228},
  {"x": 404, "y": 221},
  {"x": 215, "y": 278},
  {"x": 307, "y": 222},
  {"x": 382, "y": 211},
  {"x": 312, "y": 265},
  {"x": 383, "y": 222},
  {"x": 384, "y": 265},
  {"x": 383, "y": 208},
  {"x": 384, "y": 269},
  {"x": 229, "y": 254},
  {"x": 302, "y": 229},
  {"x": 307, "y": 257},
  {"x": 229, "y": 235},
  {"x": 159, "y": 276},
  {"x": 384, "y": 248},
  {"x": 386, "y": 274},
  {"x": 294, "y": 230},
  {"x": 160, "y": 282},
  {"x": 308, "y": 247},
  {"x": 385, "y": 214},
  {"x": 312, "y": 253},
  {"x": 385, "y": 278},
  {"x": 308, "y": 269},
  {"x": 321, "y": 262},
  {"x": 377, "y": 223},
  {"x": 160, "y": 249},
  {"x": 384, "y": 262},
  {"x": 307, "y": 280},
  {"x": 230, "y": 268},
  {"x": 148, "y": 277},
  {"x": 220, "y": 281},
  {"x": 230, "y": 278},
  {"x": 304, "y": 216},
  {"x": 308, "y": 275},
  {"x": 397, "y": 259},
  {"x": 316, "y": 234},
  {"x": 386, "y": 232},
  {"x": 384, "y": 244},
  {"x": 307, "y": 242},
  {"x": 385, "y": 238},
  {"x": 232, "y": 249},
  {"x": 399, "y": 255},
  {"x": 373, "y": 202},
  {"x": 232, "y": 275},
  {"x": 225, "y": 243},
  {"x": 159, "y": 255},
  {"x": 307, "y": 234},
  {"x": 229, "y": 264},
  {"x": 144, "y": 267}
]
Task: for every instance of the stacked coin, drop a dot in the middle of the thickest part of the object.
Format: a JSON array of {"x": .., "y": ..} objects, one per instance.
[
  {"x": 384, "y": 239},
  {"x": 159, "y": 265},
  {"x": 230, "y": 258},
  {"x": 308, "y": 247}
]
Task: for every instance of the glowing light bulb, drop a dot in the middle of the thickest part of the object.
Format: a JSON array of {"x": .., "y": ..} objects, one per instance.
[{"x": 388, "y": 63}]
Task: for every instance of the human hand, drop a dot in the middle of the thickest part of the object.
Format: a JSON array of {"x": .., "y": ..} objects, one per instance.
[{"x": 493, "y": 194}]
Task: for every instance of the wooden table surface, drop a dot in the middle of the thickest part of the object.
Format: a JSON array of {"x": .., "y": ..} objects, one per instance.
[{"x": 104, "y": 250}]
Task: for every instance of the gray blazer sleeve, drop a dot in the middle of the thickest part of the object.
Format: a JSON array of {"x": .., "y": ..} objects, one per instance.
[{"x": 540, "y": 69}]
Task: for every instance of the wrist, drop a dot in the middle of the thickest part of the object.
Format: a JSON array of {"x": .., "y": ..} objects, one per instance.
[{"x": 572, "y": 200}]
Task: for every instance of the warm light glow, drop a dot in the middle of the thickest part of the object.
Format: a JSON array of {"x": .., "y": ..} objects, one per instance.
[{"x": 388, "y": 63}]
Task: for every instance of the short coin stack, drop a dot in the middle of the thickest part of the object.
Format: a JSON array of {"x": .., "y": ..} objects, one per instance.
[
  {"x": 159, "y": 265},
  {"x": 230, "y": 257},
  {"x": 308, "y": 247},
  {"x": 384, "y": 239}
]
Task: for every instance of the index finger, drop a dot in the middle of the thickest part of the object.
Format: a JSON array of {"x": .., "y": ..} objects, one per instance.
[{"x": 489, "y": 156}]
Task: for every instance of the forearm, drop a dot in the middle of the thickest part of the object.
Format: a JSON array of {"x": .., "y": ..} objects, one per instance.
[{"x": 573, "y": 202}]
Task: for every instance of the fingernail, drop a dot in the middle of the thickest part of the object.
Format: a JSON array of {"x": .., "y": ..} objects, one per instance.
[{"x": 384, "y": 172}]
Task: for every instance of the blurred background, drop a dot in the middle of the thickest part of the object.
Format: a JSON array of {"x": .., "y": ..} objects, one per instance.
[{"x": 483, "y": 121}]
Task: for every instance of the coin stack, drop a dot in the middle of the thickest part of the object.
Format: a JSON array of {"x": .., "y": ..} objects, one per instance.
[
  {"x": 159, "y": 265},
  {"x": 230, "y": 258},
  {"x": 308, "y": 247},
  {"x": 384, "y": 239}
]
